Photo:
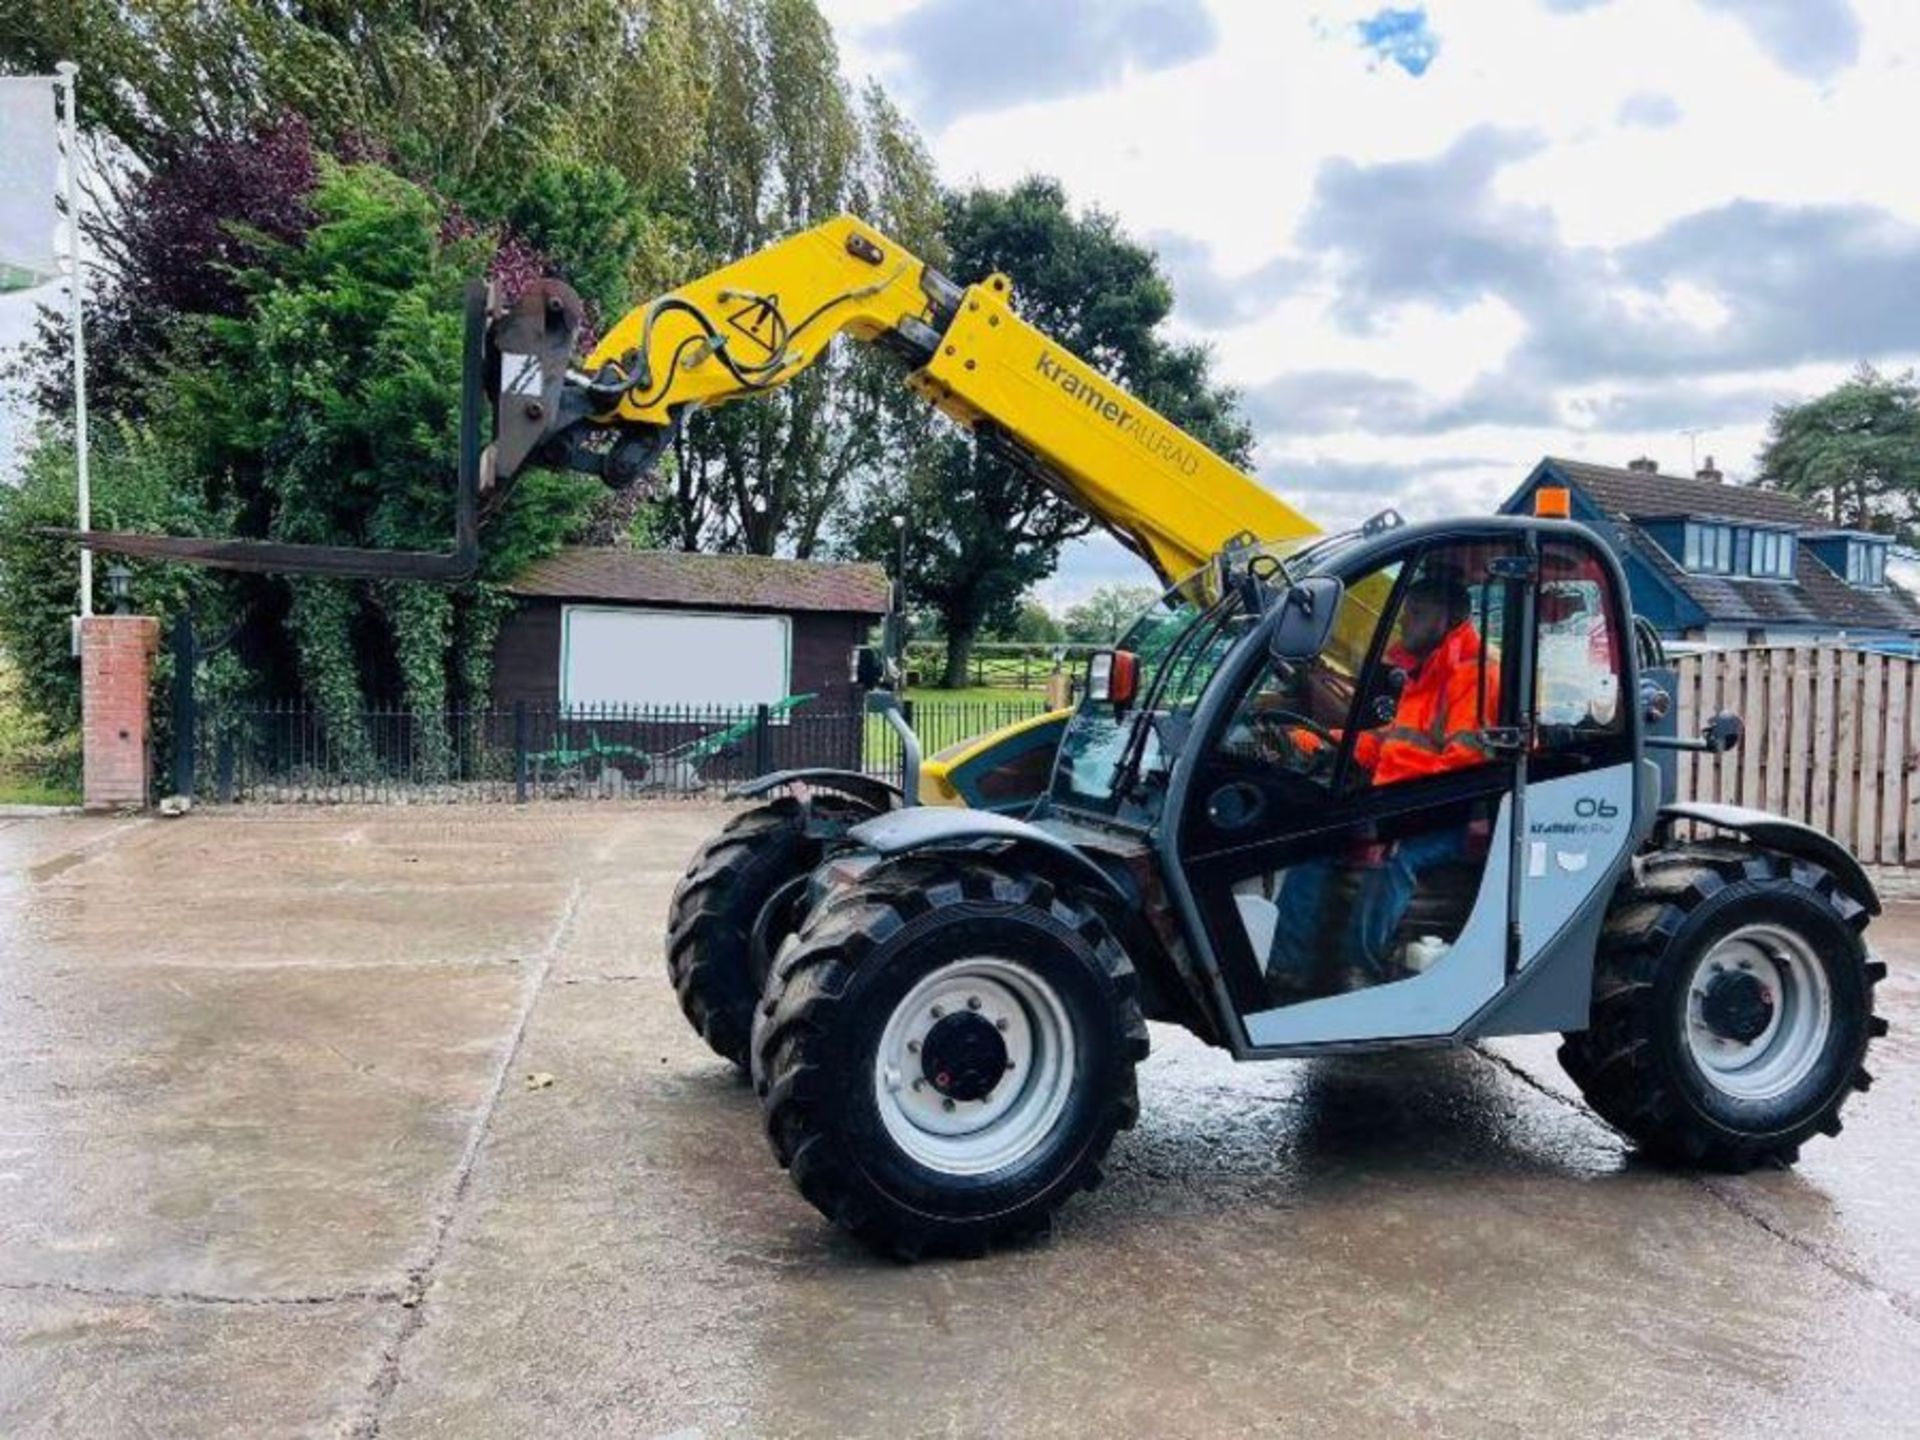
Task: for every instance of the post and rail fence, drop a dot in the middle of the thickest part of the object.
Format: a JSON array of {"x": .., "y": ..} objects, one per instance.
[
  {"x": 1832, "y": 739},
  {"x": 1002, "y": 664}
]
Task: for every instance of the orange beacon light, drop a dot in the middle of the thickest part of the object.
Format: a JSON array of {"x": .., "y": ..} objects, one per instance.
[{"x": 1553, "y": 502}]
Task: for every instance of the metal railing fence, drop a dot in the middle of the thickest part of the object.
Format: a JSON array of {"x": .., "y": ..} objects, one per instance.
[{"x": 292, "y": 753}]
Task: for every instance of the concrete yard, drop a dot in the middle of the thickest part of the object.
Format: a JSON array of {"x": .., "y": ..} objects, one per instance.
[{"x": 269, "y": 1164}]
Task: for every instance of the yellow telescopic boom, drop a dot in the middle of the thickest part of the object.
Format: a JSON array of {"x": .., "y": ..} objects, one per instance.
[{"x": 756, "y": 323}]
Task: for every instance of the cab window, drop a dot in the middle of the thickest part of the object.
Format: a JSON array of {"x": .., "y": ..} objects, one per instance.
[
  {"x": 1409, "y": 686},
  {"x": 1437, "y": 691},
  {"x": 1579, "y": 680},
  {"x": 1294, "y": 716}
]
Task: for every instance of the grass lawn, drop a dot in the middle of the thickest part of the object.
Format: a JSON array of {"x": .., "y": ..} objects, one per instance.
[
  {"x": 926, "y": 695},
  {"x": 28, "y": 755},
  {"x": 33, "y": 792},
  {"x": 942, "y": 717}
]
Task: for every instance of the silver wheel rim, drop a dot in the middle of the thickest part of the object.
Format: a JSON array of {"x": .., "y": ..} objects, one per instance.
[
  {"x": 1783, "y": 1054},
  {"x": 975, "y": 1137}
]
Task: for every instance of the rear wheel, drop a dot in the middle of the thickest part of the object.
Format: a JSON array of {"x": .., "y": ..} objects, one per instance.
[
  {"x": 946, "y": 1054},
  {"x": 739, "y": 899},
  {"x": 1733, "y": 1007}
]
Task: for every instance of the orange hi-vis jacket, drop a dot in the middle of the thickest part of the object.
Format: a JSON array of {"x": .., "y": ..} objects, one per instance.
[{"x": 1439, "y": 716}]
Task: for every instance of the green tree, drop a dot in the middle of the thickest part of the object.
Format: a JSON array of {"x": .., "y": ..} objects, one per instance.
[
  {"x": 785, "y": 144},
  {"x": 1034, "y": 624},
  {"x": 449, "y": 91},
  {"x": 139, "y": 482},
  {"x": 1104, "y": 615},
  {"x": 585, "y": 218},
  {"x": 982, "y": 531},
  {"x": 636, "y": 142},
  {"x": 289, "y": 329},
  {"x": 1854, "y": 452},
  {"x": 327, "y": 413}
]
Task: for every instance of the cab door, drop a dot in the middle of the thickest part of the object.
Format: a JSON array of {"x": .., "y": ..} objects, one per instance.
[
  {"x": 1582, "y": 781},
  {"x": 1345, "y": 826}
]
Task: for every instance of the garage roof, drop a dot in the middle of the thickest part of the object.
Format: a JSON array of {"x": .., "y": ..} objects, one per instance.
[{"x": 708, "y": 582}]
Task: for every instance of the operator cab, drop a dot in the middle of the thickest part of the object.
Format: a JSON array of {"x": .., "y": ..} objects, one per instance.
[{"x": 1342, "y": 822}]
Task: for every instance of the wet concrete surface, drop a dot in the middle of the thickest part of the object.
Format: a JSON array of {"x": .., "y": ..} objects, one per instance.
[{"x": 268, "y": 1164}]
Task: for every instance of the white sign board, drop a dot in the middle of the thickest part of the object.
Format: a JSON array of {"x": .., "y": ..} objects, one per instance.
[{"x": 613, "y": 656}]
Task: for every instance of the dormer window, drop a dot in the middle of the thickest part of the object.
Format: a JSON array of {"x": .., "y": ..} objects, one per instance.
[
  {"x": 1866, "y": 565},
  {"x": 1709, "y": 549},
  {"x": 1771, "y": 556}
]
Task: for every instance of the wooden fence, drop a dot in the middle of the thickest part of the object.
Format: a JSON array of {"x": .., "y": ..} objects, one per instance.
[{"x": 1832, "y": 738}]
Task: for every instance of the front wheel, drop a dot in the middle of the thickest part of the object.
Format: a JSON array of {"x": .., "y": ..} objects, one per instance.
[
  {"x": 945, "y": 1055},
  {"x": 735, "y": 906},
  {"x": 1733, "y": 1007}
]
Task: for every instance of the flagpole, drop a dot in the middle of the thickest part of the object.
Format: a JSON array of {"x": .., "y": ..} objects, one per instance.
[{"x": 67, "y": 72}]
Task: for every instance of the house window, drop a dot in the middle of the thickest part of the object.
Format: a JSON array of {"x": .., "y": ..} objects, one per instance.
[
  {"x": 1866, "y": 565},
  {"x": 1709, "y": 549},
  {"x": 1771, "y": 556}
]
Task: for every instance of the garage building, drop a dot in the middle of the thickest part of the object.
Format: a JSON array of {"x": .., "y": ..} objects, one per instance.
[{"x": 667, "y": 628}]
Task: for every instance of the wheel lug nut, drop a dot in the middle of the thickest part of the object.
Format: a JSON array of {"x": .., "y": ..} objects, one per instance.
[
  {"x": 947, "y": 1105},
  {"x": 1001, "y": 1023},
  {"x": 919, "y": 1084},
  {"x": 973, "y": 1002},
  {"x": 913, "y": 1047},
  {"x": 937, "y": 1012}
]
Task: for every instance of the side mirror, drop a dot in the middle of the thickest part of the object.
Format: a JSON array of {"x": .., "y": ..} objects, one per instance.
[
  {"x": 1723, "y": 733},
  {"x": 1299, "y": 629},
  {"x": 1113, "y": 676},
  {"x": 868, "y": 669}
]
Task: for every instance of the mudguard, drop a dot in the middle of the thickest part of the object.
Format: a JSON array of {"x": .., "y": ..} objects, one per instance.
[
  {"x": 933, "y": 827},
  {"x": 1789, "y": 837},
  {"x": 876, "y": 794}
]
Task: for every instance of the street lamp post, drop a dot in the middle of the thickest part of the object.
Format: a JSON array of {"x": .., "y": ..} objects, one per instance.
[
  {"x": 68, "y": 75},
  {"x": 900, "y": 594}
]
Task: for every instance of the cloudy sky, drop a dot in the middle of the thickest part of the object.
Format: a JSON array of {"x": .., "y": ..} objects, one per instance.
[{"x": 1433, "y": 243}]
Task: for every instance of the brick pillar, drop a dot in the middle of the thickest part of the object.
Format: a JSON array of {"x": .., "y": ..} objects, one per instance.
[{"x": 116, "y": 657}]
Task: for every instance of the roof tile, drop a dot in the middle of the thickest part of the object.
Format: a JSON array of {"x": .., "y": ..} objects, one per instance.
[
  {"x": 1815, "y": 597},
  {"x": 731, "y": 582},
  {"x": 1641, "y": 495}
]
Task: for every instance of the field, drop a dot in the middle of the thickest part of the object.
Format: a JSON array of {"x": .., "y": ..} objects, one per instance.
[{"x": 944, "y": 717}]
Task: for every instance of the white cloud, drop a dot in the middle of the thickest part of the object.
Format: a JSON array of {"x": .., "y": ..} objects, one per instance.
[{"x": 1588, "y": 227}]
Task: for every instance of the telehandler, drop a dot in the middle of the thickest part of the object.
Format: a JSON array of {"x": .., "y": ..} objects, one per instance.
[{"x": 1335, "y": 792}]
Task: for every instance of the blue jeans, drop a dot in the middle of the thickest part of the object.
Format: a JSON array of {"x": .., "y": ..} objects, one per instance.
[{"x": 1312, "y": 942}]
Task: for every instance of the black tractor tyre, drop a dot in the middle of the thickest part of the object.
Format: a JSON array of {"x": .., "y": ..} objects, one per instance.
[
  {"x": 733, "y": 908},
  {"x": 1634, "y": 1062},
  {"x": 859, "y": 959}
]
